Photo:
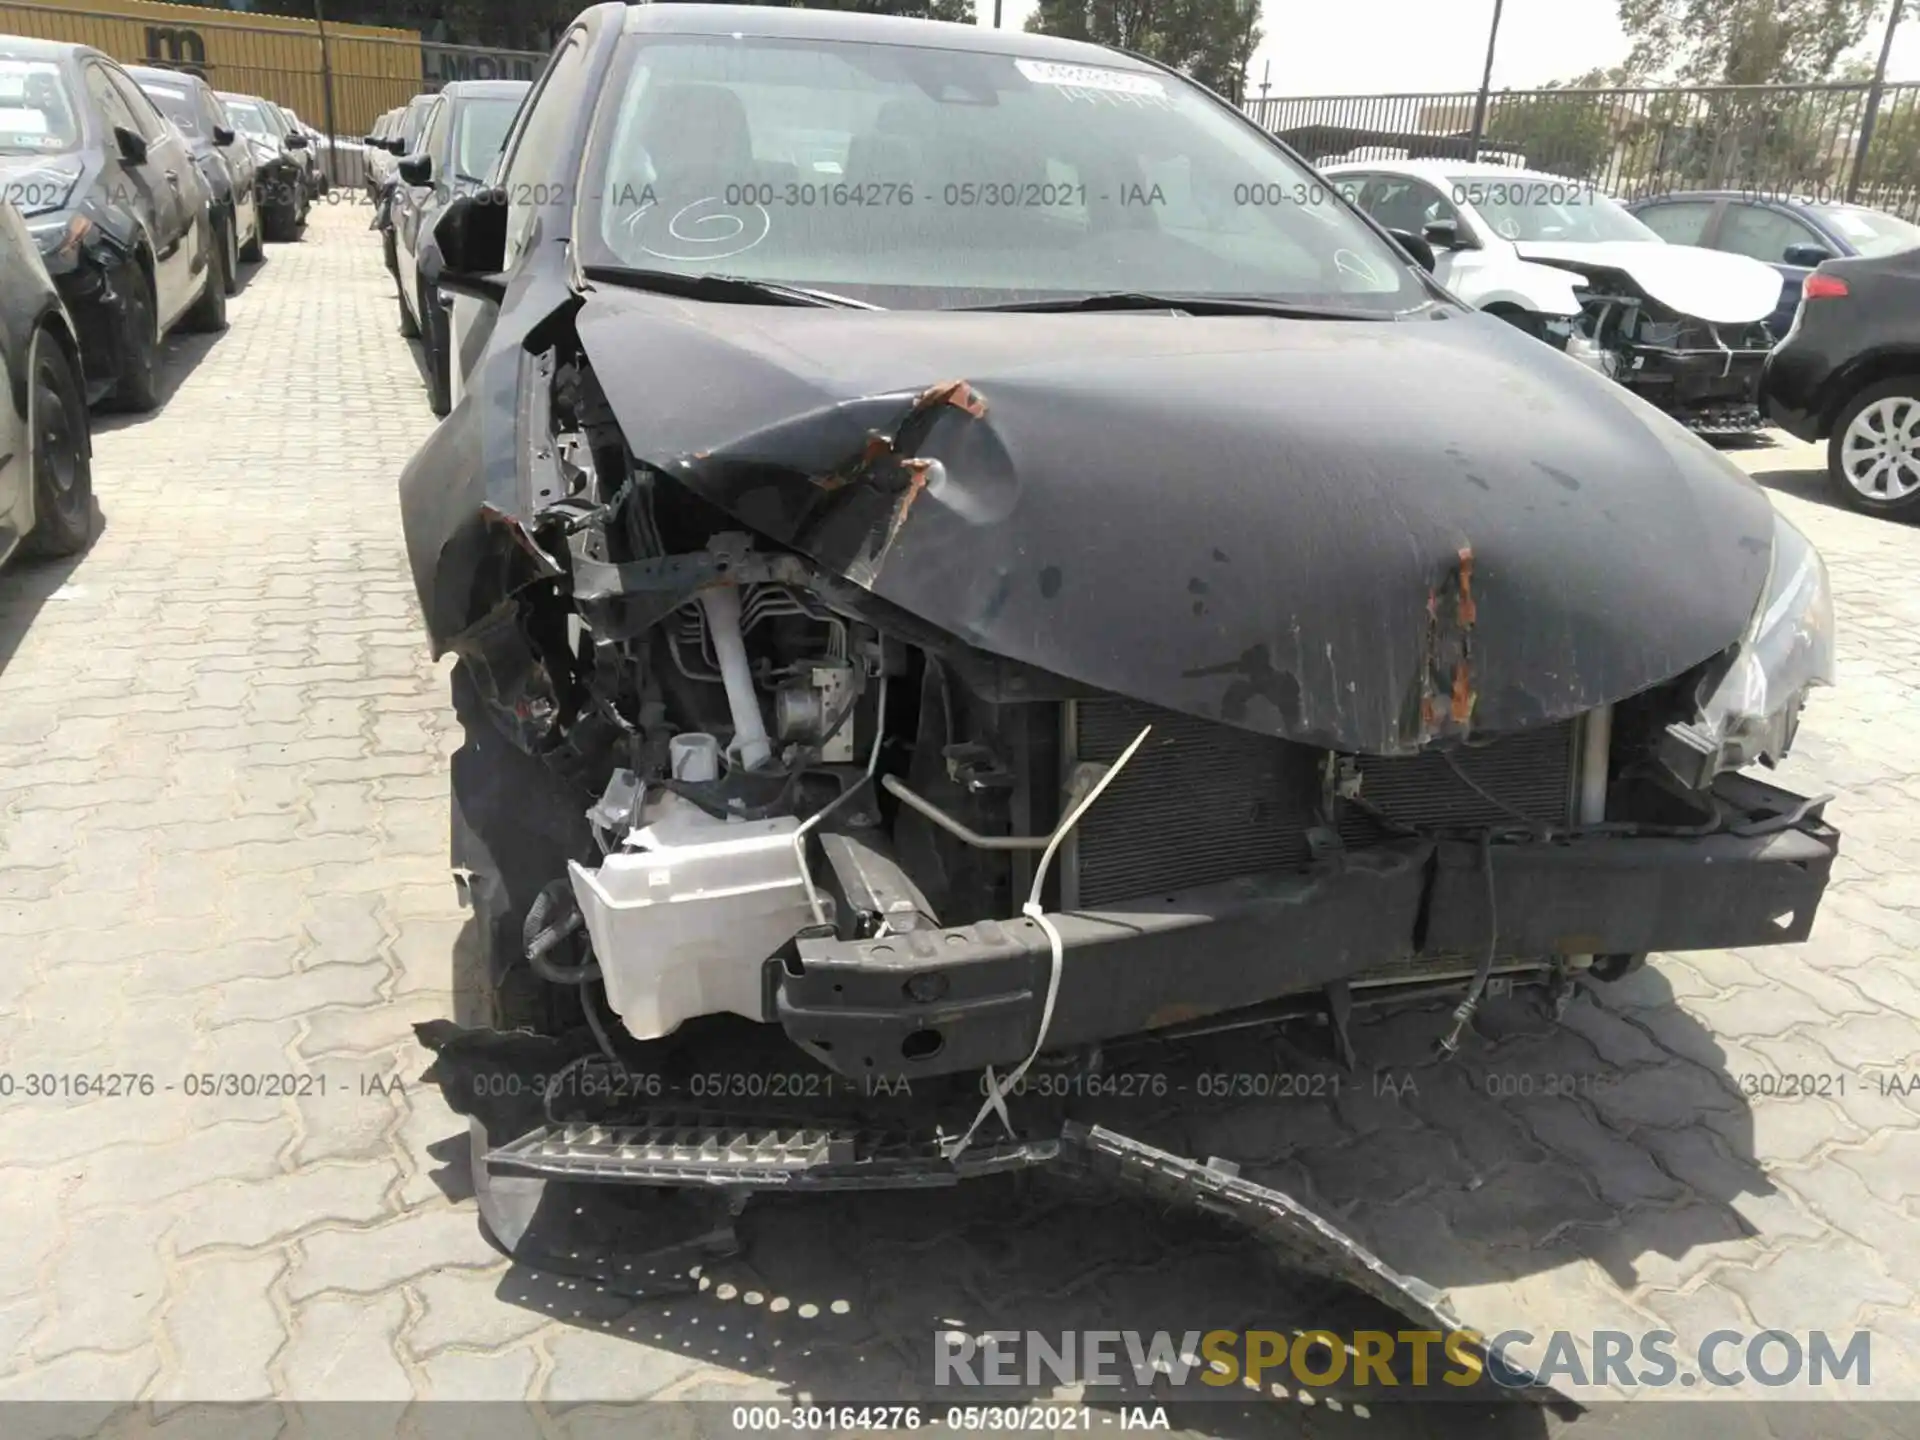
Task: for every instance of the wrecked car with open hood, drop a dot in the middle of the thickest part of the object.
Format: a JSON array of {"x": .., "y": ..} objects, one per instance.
[
  {"x": 938, "y": 588},
  {"x": 1684, "y": 328}
]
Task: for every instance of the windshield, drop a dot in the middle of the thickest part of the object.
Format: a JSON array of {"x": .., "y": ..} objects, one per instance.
[
  {"x": 482, "y": 131},
  {"x": 1544, "y": 208},
  {"x": 1871, "y": 232},
  {"x": 37, "y": 113},
  {"x": 250, "y": 118},
  {"x": 916, "y": 177},
  {"x": 176, "y": 102}
]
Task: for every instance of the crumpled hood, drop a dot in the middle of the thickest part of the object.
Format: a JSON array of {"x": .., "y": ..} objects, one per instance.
[
  {"x": 1709, "y": 285},
  {"x": 1354, "y": 534}
]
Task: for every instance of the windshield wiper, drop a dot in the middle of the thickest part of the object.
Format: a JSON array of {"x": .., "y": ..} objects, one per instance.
[
  {"x": 1189, "y": 304},
  {"x": 736, "y": 289}
]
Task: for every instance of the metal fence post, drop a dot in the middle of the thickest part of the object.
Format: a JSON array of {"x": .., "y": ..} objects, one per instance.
[
  {"x": 1872, "y": 111},
  {"x": 326, "y": 75},
  {"x": 1486, "y": 83}
]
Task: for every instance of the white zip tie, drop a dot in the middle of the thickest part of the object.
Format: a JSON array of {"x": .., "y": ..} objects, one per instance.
[{"x": 998, "y": 1090}]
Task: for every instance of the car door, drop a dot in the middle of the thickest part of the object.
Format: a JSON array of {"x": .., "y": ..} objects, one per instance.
[
  {"x": 543, "y": 144},
  {"x": 180, "y": 201},
  {"x": 1766, "y": 232},
  {"x": 1404, "y": 202},
  {"x": 411, "y": 202},
  {"x": 137, "y": 188},
  {"x": 1679, "y": 222}
]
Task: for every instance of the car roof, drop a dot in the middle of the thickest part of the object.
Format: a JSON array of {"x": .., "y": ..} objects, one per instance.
[
  {"x": 784, "y": 23},
  {"x": 485, "y": 89},
  {"x": 1805, "y": 202},
  {"x": 164, "y": 75},
  {"x": 32, "y": 47},
  {"x": 1440, "y": 169}
]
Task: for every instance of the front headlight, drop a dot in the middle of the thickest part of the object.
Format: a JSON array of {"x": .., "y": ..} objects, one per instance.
[
  {"x": 1748, "y": 711},
  {"x": 59, "y": 236}
]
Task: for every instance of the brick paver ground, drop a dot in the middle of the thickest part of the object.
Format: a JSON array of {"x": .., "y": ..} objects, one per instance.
[{"x": 222, "y": 852}]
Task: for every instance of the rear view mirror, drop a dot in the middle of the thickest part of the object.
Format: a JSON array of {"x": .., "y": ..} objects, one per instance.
[
  {"x": 1416, "y": 247},
  {"x": 133, "y": 149},
  {"x": 416, "y": 170},
  {"x": 296, "y": 141},
  {"x": 222, "y": 135},
  {"x": 472, "y": 235},
  {"x": 1806, "y": 253}
]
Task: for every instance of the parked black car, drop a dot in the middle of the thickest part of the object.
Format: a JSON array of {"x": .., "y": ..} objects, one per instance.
[
  {"x": 282, "y": 182},
  {"x": 225, "y": 160},
  {"x": 404, "y": 138},
  {"x": 312, "y": 160},
  {"x": 46, "y": 477},
  {"x": 1848, "y": 373},
  {"x": 379, "y": 157},
  {"x": 459, "y": 141},
  {"x": 1791, "y": 235},
  {"x": 922, "y": 604},
  {"x": 123, "y": 218}
]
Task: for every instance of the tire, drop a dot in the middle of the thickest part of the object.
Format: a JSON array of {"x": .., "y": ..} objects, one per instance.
[
  {"x": 433, "y": 330},
  {"x": 230, "y": 253},
  {"x": 253, "y": 252},
  {"x": 136, "y": 387},
  {"x": 209, "y": 313},
  {"x": 1873, "y": 452},
  {"x": 513, "y": 827},
  {"x": 409, "y": 327},
  {"x": 61, "y": 453}
]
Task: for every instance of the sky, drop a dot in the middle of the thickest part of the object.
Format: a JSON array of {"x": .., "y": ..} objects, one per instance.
[{"x": 1380, "y": 46}]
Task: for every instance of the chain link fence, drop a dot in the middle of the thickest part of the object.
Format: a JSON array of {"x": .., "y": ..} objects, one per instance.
[{"x": 1831, "y": 142}]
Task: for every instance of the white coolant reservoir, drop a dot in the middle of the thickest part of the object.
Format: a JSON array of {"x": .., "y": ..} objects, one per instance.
[{"x": 683, "y": 915}]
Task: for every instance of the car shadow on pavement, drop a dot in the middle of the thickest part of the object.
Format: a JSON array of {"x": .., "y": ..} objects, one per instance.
[
  {"x": 1812, "y": 484},
  {"x": 180, "y": 355},
  {"x": 29, "y": 583},
  {"x": 1613, "y": 1136}
]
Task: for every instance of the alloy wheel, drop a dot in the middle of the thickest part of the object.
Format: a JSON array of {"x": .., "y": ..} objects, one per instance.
[{"x": 1880, "y": 453}]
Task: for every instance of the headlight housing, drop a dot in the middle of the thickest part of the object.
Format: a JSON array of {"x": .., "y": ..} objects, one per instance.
[
  {"x": 1748, "y": 709},
  {"x": 60, "y": 235}
]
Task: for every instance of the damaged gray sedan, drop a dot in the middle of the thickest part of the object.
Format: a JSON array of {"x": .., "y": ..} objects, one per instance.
[{"x": 948, "y": 580}]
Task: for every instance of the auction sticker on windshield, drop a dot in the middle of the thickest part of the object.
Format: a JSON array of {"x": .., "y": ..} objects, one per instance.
[{"x": 1089, "y": 77}]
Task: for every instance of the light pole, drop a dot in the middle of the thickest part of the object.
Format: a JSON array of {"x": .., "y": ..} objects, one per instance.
[
  {"x": 1486, "y": 82},
  {"x": 1872, "y": 111},
  {"x": 996, "y": 14}
]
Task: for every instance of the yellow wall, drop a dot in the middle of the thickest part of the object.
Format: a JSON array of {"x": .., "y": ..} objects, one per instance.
[{"x": 278, "y": 56}]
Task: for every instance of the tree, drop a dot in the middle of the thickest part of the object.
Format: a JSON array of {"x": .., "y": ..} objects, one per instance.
[
  {"x": 1211, "y": 41},
  {"x": 1743, "y": 42},
  {"x": 1564, "y": 128}
]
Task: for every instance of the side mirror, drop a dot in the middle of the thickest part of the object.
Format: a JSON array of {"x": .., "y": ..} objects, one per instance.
[
  {"x": 222, "y": 135},
  {"x": 296, "y": 141},
  {"x": 1416, "y": 247},
  {"x": 416, "y": 170},
  {"x": 396, "y": 147},
  {"x": 133, "y": 149},
  {"x": 1444, "y": 235},
  {"x": 472, "y": 235},
  {"x": 1807, "y": 253}
]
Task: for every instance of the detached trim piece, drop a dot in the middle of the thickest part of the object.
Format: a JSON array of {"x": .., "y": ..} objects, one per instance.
[
  {"x": 931, "y": 1002},
  {"x": 744, "y": 1155}
]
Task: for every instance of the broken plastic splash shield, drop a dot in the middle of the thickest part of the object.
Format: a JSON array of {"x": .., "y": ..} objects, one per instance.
[{"x": 745, "y": 1155}]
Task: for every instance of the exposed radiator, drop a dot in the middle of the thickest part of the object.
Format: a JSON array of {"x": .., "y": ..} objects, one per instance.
[{"x": 1203, "y": 802}]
